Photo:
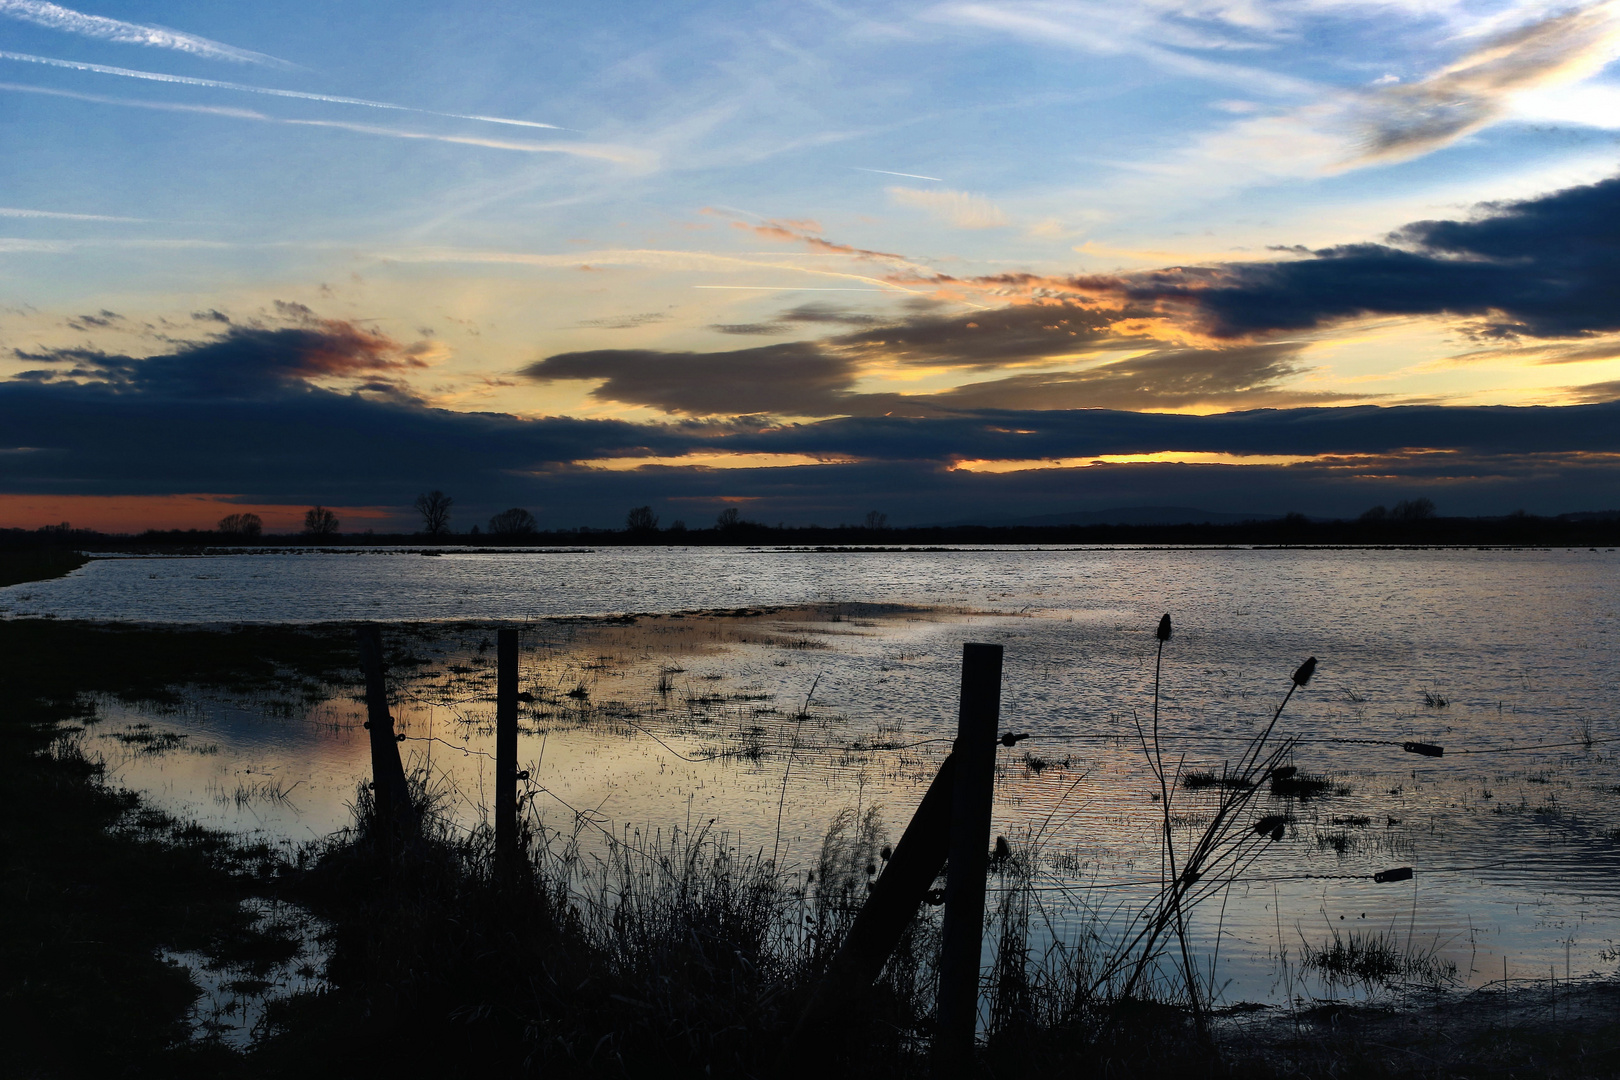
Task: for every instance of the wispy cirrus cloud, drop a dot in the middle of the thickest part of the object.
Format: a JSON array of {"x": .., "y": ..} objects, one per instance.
[
  {"x": 57, "y": 17},
  {"x": 57, "y": 215},
  {"x": 218, "y": 84},
  {"x": 621, "y": 155},
  {"x": 1404, "y": 120}
]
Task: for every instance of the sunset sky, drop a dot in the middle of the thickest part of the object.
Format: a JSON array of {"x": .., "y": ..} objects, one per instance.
[{"x": 948, "y": 260}]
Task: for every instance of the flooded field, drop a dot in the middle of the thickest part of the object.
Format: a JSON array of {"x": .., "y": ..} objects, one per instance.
[{"x": 835, "y": 690}]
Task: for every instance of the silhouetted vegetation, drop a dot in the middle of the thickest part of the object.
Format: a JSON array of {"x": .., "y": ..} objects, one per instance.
[
  {"x": 730, "y": 528},
  {"x": 319, "y": 521},
  {"x": 434, "y": 506}
]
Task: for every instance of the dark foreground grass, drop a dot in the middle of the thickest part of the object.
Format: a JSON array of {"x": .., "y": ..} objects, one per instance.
[{"x": 93, "y": 885}]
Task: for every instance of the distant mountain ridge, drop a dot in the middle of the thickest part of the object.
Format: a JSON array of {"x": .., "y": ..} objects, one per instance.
[{"x": 1130, "y": 515}]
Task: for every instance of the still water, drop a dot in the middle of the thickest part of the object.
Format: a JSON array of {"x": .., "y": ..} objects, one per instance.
[{"x": 1505, "y": 658}]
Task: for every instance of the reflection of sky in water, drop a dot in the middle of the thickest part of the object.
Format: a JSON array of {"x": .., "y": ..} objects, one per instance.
[{"x": 1520, "y": 644}]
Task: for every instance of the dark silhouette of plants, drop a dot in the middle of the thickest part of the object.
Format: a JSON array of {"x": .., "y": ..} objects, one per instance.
[
  {"x": 434, "y": 506},
  {"x": 641, "y": 519},
  {"x": 319, "y": 521},
  {"x": 248, "y": 525},
  {"x": 514, "y": 522},
  {"x": 729, "y": 519},
  {"x": 1413, "y": 510}
]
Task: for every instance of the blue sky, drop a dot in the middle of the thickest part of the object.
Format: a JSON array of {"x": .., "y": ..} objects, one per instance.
[{"x": 702, "y": 220}]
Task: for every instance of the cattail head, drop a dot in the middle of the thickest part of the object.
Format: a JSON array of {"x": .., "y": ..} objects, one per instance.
[
  {"x": 1164, "y": 628},
  {"x": 1305, "y": 671}
]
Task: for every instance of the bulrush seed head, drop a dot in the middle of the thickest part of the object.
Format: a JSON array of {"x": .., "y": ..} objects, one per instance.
[
  {"x": 1164, "y": 628},
  {"x": 1306, "y": 670}
]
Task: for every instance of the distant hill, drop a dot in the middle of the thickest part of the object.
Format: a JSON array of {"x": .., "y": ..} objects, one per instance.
[{"x": 1131, "y": 515}]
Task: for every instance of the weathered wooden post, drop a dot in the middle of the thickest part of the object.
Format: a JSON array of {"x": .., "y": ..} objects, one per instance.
[
  {"x": 506, "y": 770},
  {"x": 971, "y": 798},
  {"x": 896, "y": 895},
  {"x": 391, "y": 798}
]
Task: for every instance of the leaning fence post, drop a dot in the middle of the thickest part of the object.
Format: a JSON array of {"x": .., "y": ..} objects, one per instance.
[
  {"x": 896, "y": 895},
  {"x": 506, "y": 770},
  {"x": 974, "y": 790},
  {"x": 390, "y": 796}
]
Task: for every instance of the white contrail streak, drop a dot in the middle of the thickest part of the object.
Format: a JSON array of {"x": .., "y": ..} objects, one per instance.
[
  {"x": 216, "y": 84},
  {"x": 56, "y": 17},
  {"x": 19, "y": 212},
  {"x": 887, "y": 172},
  {"x": 623, "y": 155}
]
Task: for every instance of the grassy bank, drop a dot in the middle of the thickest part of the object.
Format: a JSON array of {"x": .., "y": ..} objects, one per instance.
[{"x": 21, "y": 564}]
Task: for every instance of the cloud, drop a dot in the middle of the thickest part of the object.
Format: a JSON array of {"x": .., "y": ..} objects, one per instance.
[
  {"x": 53, "y": 215},
  {"x": 617, "y": 154},
  {"x": 216, "y": 84},
  {"x": 1597, "y": 392},
  {"x": 1544, "y": 267},
  {"x": 814, "y": 312},
  {"x": 253, "y": 412},
  {"x": 804, "y": 232},
  {"x": 243, "y": 363},
  {"x": 56, "y": 17},
  {"x": 819, "y": 379},
  {"x": 1404, "y": 120},
  {"x": 960, "y": 209},
  {"x": 1243, "y": 377},
  {"x": 1156, "y": 32},
  {"x": 797, "y": 379},
  {"x": 626, "y": 322}
]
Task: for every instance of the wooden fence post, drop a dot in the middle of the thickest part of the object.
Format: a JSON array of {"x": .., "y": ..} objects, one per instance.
[
  {"x": 971, "y": 798},
  {"x": 883, "y": 919},
  {"x": 390, "y": 795},
  {"x": 506, "y": 769}
]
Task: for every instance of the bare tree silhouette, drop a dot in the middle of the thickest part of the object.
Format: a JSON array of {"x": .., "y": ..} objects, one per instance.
[
  {"x": 248, "y": 525},
  {"x": 319, "y": 521},
  {"x": 729, "y": 518},
  {"x": 876, "y": 519},
  {"x": 434, "y": 506},
  {"x": 1413, "y": 510},
  {"x": 514, "y": 522},
  {"x": 641, "y": 519}
]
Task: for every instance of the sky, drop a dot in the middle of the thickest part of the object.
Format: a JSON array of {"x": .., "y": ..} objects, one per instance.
[{"x": 949, "y": 260}]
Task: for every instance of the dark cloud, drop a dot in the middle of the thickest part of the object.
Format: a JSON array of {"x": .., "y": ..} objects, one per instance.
[
  {"x": 1547, "y": 268},
  {"x": 241, "y": 363},
  {"x": 804, "y": 313},
  {"x": 1245, "y": 376},
  {"x": 990, "y": 339},
  {"x": 1597, "y": 392},
  {"x": 95, "y": 322},
  {"x": 807, "y": 379},
  {"x": 796, "y": 378},
  {"x": 752, "y": 329},
  {"x": 151, "y": 427},
  {"x": 625, "y": 322},
  {"x": 245, "y": 415}
]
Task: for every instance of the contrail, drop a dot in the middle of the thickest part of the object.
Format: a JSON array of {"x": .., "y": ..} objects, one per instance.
[
  {"x": 887, "y": 172},
  {"x": 56, "y": 17},
  {"x": 19, "y": 212},
  {"x": 186, "y": 80},
  {"x": 622, "y": 155}
]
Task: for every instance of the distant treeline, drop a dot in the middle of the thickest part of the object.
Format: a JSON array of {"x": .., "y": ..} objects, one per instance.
[{"x": 1565, "y": 530}]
